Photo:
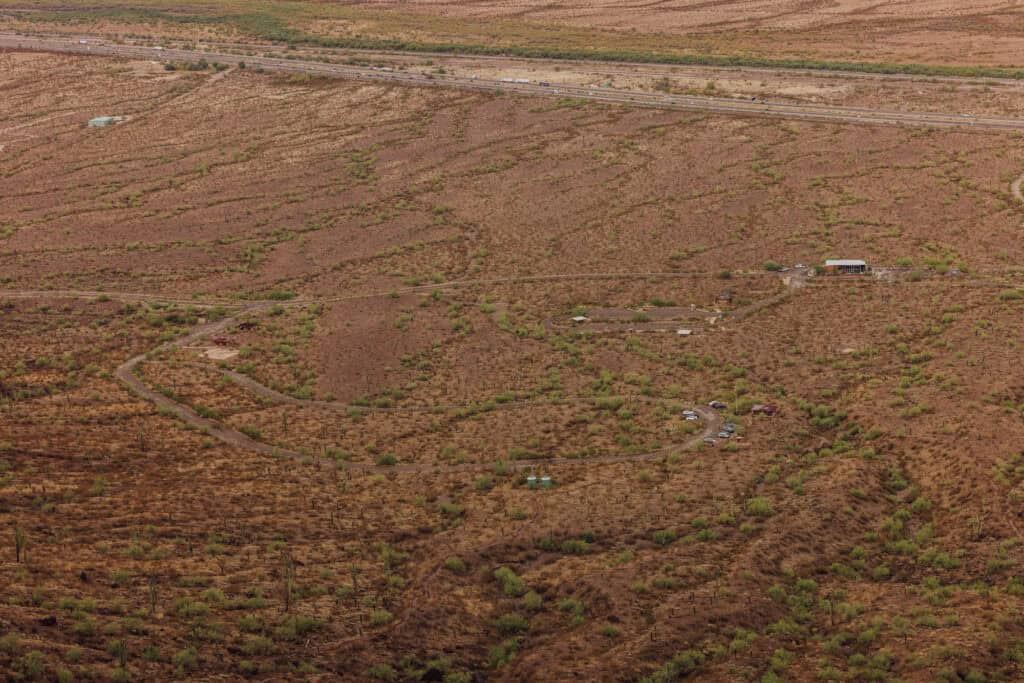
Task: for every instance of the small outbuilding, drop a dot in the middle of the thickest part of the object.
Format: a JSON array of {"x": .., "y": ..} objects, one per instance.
[{"x": 846, "y": 267}]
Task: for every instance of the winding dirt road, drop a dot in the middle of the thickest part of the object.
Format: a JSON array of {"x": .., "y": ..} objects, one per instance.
[{"x": 126, "y": 373}]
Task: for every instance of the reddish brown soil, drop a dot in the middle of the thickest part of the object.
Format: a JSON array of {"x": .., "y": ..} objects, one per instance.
[{"x": 870, "y": 530}]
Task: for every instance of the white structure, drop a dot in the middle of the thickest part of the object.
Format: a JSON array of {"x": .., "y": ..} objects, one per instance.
[
  {"x": 846, "y": 266},
  {"x": 104, "y": 121}
]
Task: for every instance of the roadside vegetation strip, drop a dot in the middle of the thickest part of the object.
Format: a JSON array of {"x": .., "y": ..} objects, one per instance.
[
  {"x": 642, "y": 57},
  {"x": 272, "y": 29}
]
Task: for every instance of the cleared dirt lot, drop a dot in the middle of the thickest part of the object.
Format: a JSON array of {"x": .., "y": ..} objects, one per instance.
[{"x": 870, "y": 530}]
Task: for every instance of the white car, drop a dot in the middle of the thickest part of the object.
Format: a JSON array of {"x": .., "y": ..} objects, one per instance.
[{"x": 691, "y": 418}]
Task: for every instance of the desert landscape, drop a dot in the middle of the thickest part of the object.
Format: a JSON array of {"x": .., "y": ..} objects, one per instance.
[{"x": 326, "y": 362}]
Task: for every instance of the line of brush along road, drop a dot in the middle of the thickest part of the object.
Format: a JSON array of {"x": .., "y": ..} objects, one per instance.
[{"x": 717, "y": 105}]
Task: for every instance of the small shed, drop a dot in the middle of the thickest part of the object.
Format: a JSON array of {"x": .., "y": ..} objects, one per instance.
[{"x": 846, "y": 267}]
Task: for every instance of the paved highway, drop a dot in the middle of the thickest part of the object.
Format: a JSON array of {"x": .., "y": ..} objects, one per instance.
[{"x": 718, "y": 105}]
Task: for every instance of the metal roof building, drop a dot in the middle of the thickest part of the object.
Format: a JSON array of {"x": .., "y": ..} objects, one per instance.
[{"x": 846, "y": 266}]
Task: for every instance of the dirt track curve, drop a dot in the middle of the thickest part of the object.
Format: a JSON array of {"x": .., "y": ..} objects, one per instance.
[
  {"x": 126, "y": 373},
  {"x": 719, "y": 105}
]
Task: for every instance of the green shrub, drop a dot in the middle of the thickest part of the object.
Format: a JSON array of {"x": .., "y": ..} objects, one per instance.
[
  {"x": 186, "y": 660},
  {"x": 456, "y": 565},
  {"x": 759, "y": 507},
  {"x": 511, "y": 623},
  {"x": 510, "y": 583},
  {"x": 382, "y": 672},
  {"x": 665, "y": 536},
  {"x": 380, "y": 617}
]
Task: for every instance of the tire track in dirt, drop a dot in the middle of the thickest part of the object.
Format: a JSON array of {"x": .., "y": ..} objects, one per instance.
[
  {"x": 1015, "y": 189},
  {"x": 126, "y": 373}
]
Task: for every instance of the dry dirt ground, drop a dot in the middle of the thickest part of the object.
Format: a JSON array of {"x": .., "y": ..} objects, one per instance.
[{"x": 870, "y": 531}]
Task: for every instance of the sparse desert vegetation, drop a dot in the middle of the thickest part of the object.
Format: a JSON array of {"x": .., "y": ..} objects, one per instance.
[{"x": 322, "y": 379}]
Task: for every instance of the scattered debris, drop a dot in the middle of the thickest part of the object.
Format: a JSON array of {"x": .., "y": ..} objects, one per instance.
[{"x": 104, "y": 121}]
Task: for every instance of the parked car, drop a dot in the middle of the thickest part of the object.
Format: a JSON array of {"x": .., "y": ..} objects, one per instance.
[
  {"x": 709, "y": 441},
  {"x": 692, "y": 418},
  {"x": 717, "y": 405},
  {"x": 724, "y": 435},
  {"x": 689, "y": 412},
  {"x": 729, "y": 427}
]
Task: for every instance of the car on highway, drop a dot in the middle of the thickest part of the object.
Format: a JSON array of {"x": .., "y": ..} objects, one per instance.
[
  {"x": 544, "y": 84},
  {"x": 800, "y": 266}
]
